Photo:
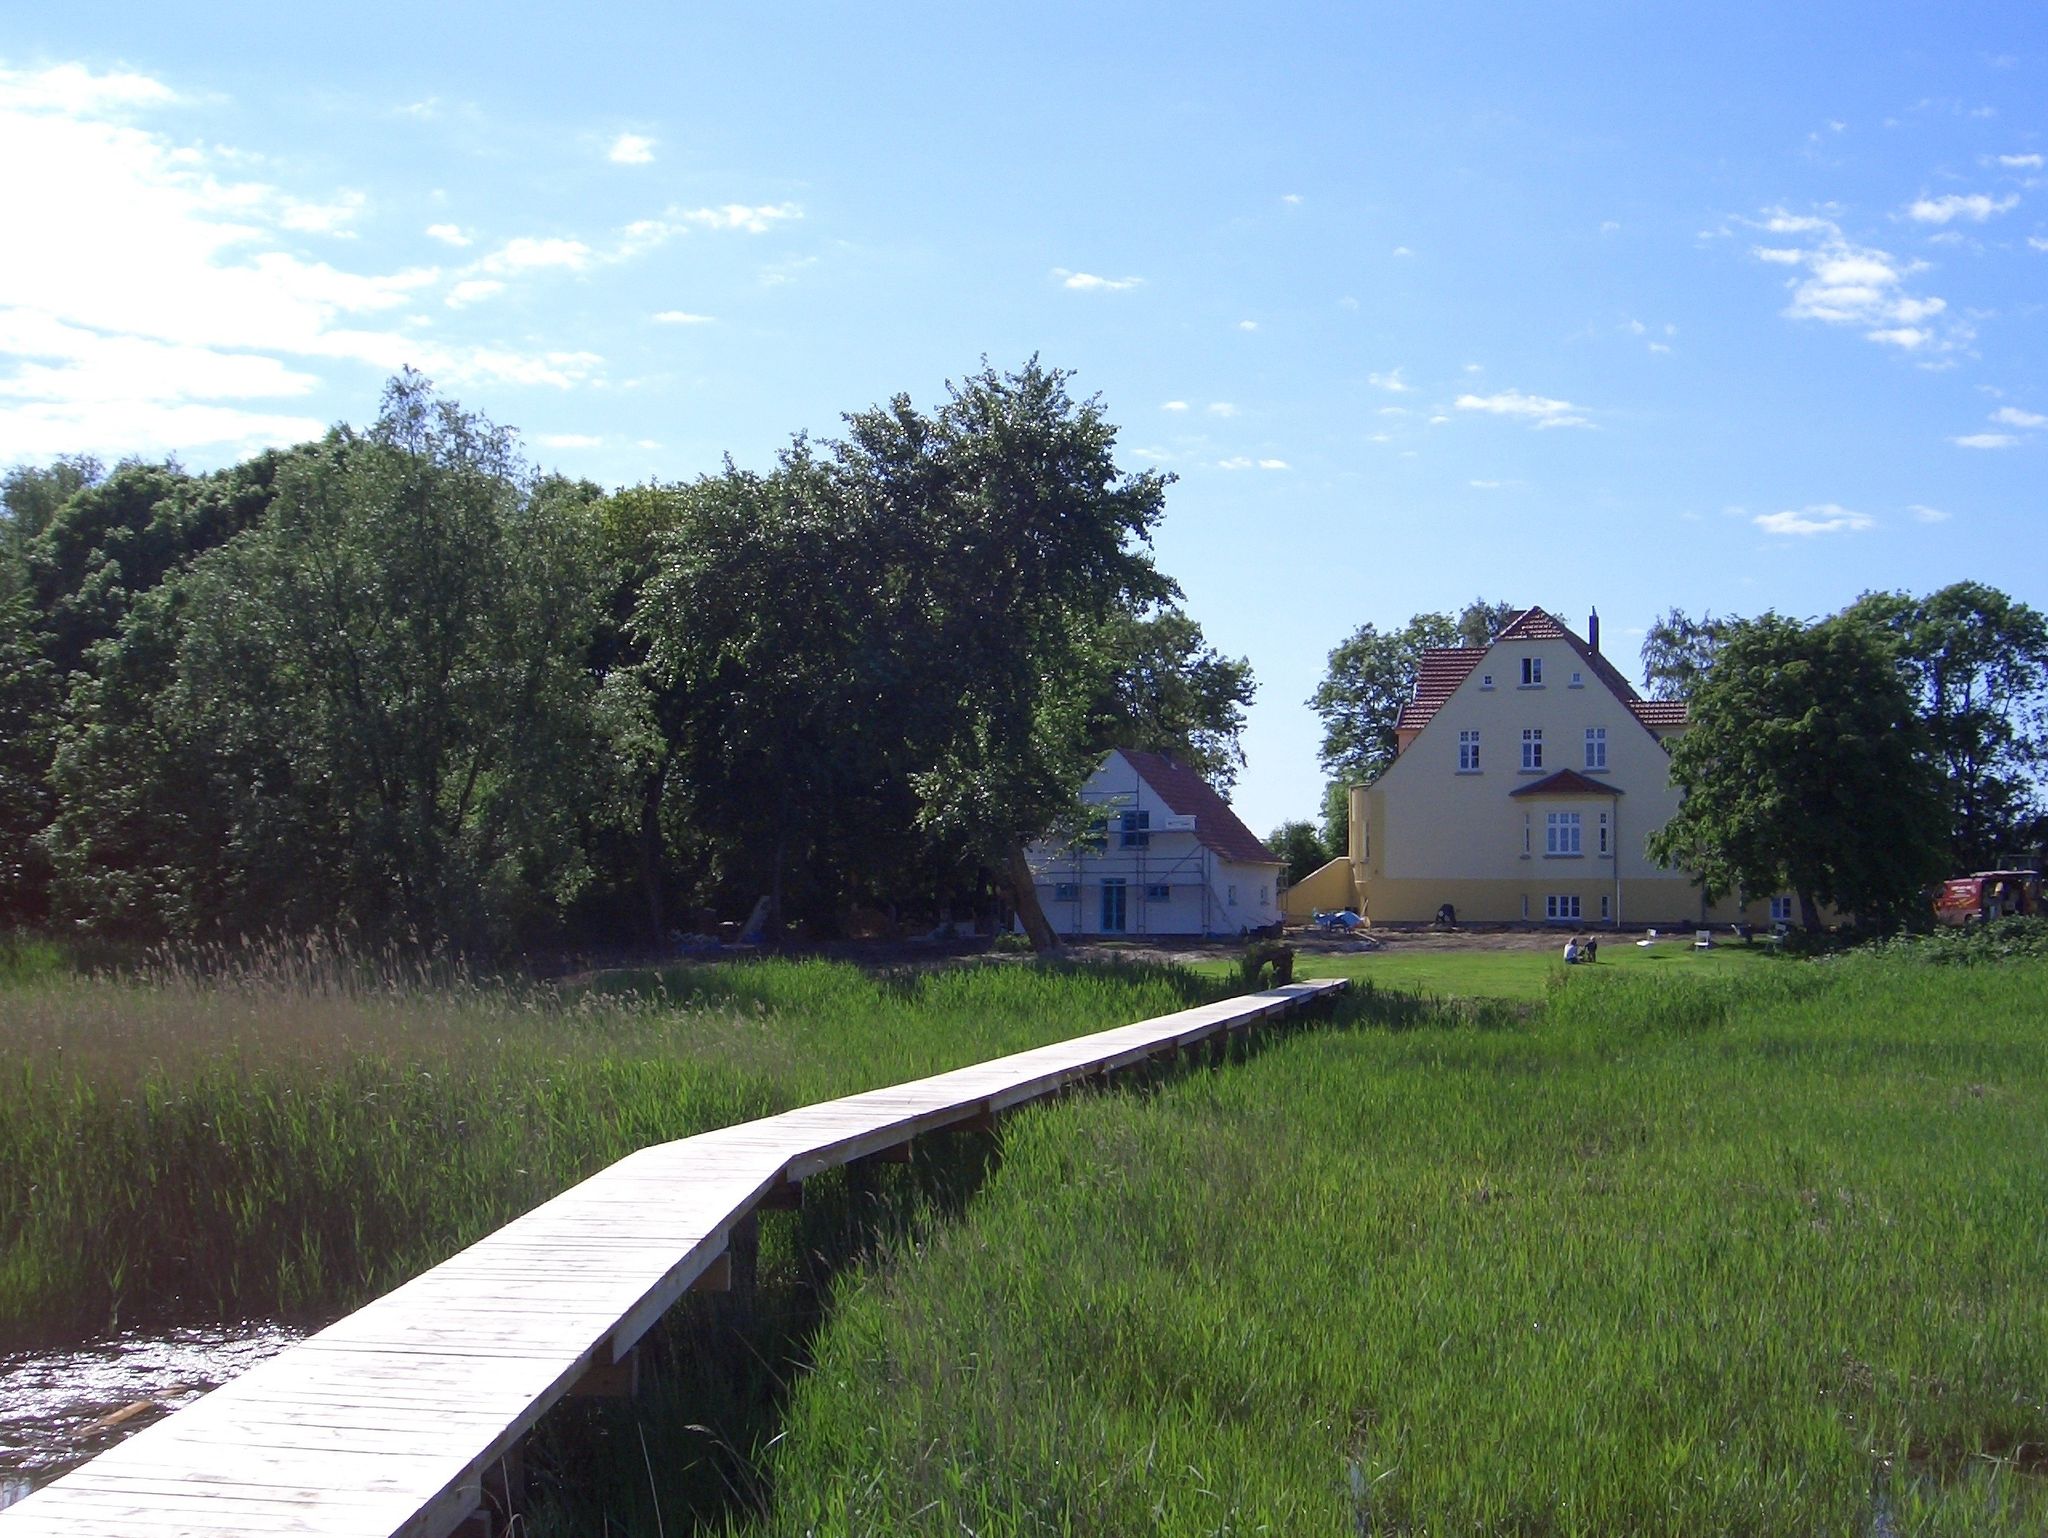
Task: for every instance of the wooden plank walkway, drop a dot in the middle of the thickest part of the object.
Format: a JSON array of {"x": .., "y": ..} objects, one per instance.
[{"x": 389, "y": 1421}]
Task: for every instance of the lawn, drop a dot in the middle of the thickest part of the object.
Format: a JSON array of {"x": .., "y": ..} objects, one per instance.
[{"x": 1524, "y": 975}]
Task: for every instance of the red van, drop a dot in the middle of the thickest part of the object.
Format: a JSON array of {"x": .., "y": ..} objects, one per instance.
[{"x": 1989, "y": 894}]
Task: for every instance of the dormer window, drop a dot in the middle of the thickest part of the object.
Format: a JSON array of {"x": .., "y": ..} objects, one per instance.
[{"x": 1532, "y": 672}]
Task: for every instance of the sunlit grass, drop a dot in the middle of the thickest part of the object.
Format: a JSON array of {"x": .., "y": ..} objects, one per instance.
[
  {"x": 296, "y": 1132},
  {"x": 1739, "y": 1249}
]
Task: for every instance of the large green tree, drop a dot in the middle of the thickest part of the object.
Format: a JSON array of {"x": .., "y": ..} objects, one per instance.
[
  {"x": 29, "y": 498},
  {"x": 1806, "y": 767},
  {"x": 1976, "y": 663},
  {"x": 369, "y": 708},
  {"x": 29, "y": 698}
]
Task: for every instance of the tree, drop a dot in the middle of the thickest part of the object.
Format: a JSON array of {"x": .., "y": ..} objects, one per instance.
[
  {"x": 1300, "y": 847},
  {"x": 1371, "y": 676},
  {"x": 29, "y": 698},
  {"x": 1976, "y": 663},
  {"x": 29, "y": 498},
  {"x": 1679, "y": 652},
  {"x": 368, "y": 708},
  {"x": 1336, "y": 818},
  {"x": 1805, "y": 767},
  {"x": 1161, "y": 687}
]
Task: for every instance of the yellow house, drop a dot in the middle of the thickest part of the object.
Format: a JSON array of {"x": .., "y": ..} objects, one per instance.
[{"x": 1528, "y": 777}]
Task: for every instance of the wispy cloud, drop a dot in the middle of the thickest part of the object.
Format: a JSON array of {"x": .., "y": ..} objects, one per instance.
[
  {"x": 1537, "y": 410},
  {"x": 473, "y": 291},
  {"x": 631, "y": 150},
  {"x": 449, "y": 234},
  {"x": 1088, "y": 282},
  {"x": 1390, "y": 380},
  {"x": 1222, "y": 409},
  {"x": 569, "y": 441},
  {"x": 1923, "y": 514},
  {"x": 1274, "y": 464},
  {"x": 681, "y": 318},
  {"x": 1823, "y": 518},
  {"x": 1247, "y": 325},
  {"x": 1985, "y": 441},
  {"x": 1173, "y": 406},
  {"x": 2020, "y": 162},
  {"x": 2012, "y": 416},
  {"x": 1845, "y": 283},
  {"x": 1974, "y": 207},
  {"x": 1246, "y": 462}
]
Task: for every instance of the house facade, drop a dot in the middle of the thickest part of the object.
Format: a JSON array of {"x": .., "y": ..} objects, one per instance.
[
  {"x": 1163, "y": 855},
  {"x": 1529, "y": 776}
]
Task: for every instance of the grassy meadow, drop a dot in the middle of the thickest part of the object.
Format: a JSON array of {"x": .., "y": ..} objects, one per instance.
[
  {"x": 288, "y": 1134},
  {"x": 1735, "y": 1246}
]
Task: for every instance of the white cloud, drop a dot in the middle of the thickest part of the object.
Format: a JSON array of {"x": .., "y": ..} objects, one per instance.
[
  {"x": 2020, "y": 162},
  {"x": 473, "y": 291},
  {"x": 631, "y": 150},
  {"x": 749, "y": 218},
  {"x": 1538, "y": 410},
  {"x": 2038, "y": 242},
  {"x": 682, "y": 318},
  {"x": 1390, "y": 380},
  {"x": 569, "y": 441},
  {"x": 1825, "y": 518},
  {"x": 1847, "y": 284},
  {"x": 178, "y": 307},
  {"x": 1985, "y": 441},
  {"x": 1293, "y": 199},
  {"x": 1486, "y": 485},
  {"x": 1088, "y": 282},
  {"x": 449, "y": 234},
  {"x": 1610, "y": 226},
  {"x": 1222, "y": 409},
  {"x": 1401, "y": 251},
  {"x": 1235, "y": 462},
  {"x": 1975, "y": 207},
  {"x": 1274, "y": 464},
  {"x": 1247, "y": 325},
  {"x": 1928, "y": 514},
  {"x": 527, "y": 253},
  {"x": 2012, "y": 416},
  {"x": 1173, "y": 406}
]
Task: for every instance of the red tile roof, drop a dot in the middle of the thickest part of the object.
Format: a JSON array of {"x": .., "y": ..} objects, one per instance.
[
  {"x": 1443, "y": 668},
  {"x": 1660, "y": 713},
  {"x": 1567, "y": 782},
  {"x": 1216, "y": 826}
]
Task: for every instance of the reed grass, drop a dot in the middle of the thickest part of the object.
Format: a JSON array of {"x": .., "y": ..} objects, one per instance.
[
  {"x": 288, "y": 1131},
  {"x": 1756, "y": 1250}
]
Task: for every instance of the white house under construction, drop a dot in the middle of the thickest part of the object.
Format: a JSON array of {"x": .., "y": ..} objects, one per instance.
[{"x": 1166, "y": 856}]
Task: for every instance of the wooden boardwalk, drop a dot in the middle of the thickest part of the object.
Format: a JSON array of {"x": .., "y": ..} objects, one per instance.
[{"x": 391, "y": 1420}]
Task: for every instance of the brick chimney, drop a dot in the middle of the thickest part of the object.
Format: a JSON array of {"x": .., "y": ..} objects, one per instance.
[{"x": 1593, "y": 630}]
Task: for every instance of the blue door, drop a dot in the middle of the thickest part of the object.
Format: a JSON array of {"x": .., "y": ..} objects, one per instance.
[{"x": 1113, "y": 906}]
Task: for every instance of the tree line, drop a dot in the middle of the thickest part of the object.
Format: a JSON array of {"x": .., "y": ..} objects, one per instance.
[
  {"x": 399, "y": 683},
  {"x": 1853, "y": 759}
]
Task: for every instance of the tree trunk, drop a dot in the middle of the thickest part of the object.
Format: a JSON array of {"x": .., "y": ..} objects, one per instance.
[
  {"x": 1809, "y": 912},
  {"x": 1024, "y": 896}
]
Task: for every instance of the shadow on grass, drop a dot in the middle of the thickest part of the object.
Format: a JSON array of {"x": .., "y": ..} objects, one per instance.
[{"x": 692, "y": 1453}]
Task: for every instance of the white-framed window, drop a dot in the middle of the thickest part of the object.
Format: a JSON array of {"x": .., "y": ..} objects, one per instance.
[
  {"x": 1525, "y": 905},
  {"x": 1596, "y": 747},
  {"x": 1603, "y": 837},
  {"x": 1263, "y": 897},
  {"x": 1532, "y": 747},
  {"x": 1230, "y": 895},
  {"x": 1114, "y": 910},
  {"x": 1065, "y": 891},
  {"x": 1532, "y": 672},
  {"x": 1561, "y": 905},
  {"x": 1578, "y": 680},
  {"x": 1158, "y": 892},
  {"x": 1607, "y": 905},
  {"x": 1561, "y": 833},
  {"x": 1468, "y": 752},
  {"x": 1526, "y": 836},
  {"x": 1135, "y": 827},
  {"x": 1486, "y": 680},
  {"x": 1781, "y": 910}
]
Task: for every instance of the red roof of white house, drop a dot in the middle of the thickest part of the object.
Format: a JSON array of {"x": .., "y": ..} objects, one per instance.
[
  {"x": 1443, "y": 668},
  {"x": 1185, "y": 792}
]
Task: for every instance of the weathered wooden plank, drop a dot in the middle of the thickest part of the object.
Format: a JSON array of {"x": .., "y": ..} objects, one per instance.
[{"x": 383, "y": 1423}]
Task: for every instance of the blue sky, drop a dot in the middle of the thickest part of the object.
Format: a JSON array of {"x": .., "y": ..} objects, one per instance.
[{"x": 1730, "y": 308}]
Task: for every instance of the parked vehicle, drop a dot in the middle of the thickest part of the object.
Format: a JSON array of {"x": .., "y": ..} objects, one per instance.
[{"x": 1987, "y": 895}]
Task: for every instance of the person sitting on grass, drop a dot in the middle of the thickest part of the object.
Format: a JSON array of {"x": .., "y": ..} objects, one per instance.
[{"x": 1571, "y": 951}]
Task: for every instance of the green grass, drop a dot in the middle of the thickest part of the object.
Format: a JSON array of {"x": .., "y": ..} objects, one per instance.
[
  {"x": 1705, "y": 1248},
  {"x": 1524, "y": 975},
  {"x": 296, "y": 1136}
]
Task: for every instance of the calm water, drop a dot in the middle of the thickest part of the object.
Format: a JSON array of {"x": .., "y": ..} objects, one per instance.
[{"x": 53, "y": 1405}]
